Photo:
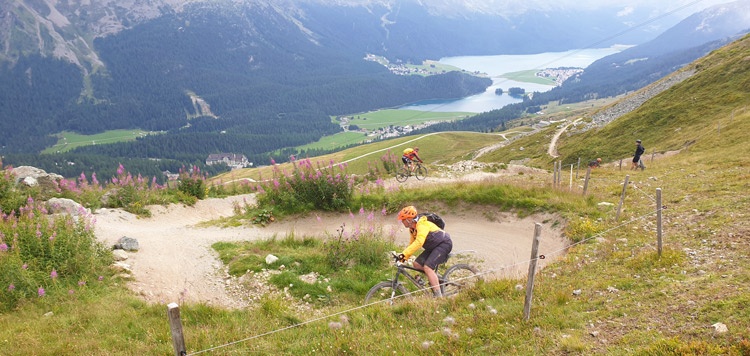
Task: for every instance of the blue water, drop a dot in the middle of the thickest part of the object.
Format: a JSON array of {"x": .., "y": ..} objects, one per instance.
[{"x": 495, "y": 66}]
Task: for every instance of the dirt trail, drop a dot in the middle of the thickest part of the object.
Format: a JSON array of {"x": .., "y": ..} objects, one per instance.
[{"x": 175, "y": 262}]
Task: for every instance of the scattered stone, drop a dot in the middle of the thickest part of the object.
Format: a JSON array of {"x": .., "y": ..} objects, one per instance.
[
  {"x": 119, "y": 254},
  {"x": 127, "y": 244},
  {"x": 49, "y": 314},
  {"x": 122, "y": 266},
  {"x": 720, "y": 328},
  {"x": 270, "y": 259},
  {"x": 577, "y": 292}
]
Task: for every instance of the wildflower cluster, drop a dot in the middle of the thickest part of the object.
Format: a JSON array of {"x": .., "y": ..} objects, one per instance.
[
  {"x": 364, "y": 243},
  {"x": 192, "y": 182},
  {"x": 10, "y": 199},
  {"x": 40, "y": 255},
  {"x": 307, "y": 188},
  {"x": 133, "y": 193},
  {"x": 390, "y": 162},
  {"x": 88, "y": 194}
]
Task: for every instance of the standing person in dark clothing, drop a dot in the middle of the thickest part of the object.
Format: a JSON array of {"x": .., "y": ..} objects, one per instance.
[
  {"x": 595, "y": 163},
  {"x": 639, "y": 150}
]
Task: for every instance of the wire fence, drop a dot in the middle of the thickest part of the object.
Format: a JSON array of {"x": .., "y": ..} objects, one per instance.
[{"x": 179, "y": 340}]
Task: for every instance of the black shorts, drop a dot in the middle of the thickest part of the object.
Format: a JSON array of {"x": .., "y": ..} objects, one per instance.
[
  {"x": 405, "y": 159},
  {"x": 435, "y": 257}
]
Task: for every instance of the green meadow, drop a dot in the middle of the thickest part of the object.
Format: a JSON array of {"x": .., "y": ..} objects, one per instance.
[
  {"x": 528, "y": 76},
  {"x": 70, "y": 140},
  {"x": 374, "y": 120}
]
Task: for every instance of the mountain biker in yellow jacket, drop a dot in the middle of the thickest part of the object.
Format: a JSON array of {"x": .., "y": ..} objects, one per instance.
[
  {"x": 411, "y": 154},
  {"x": 437, "y": 245}
]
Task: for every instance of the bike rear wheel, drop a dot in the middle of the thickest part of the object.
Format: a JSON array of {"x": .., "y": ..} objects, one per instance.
[
  {"x": 384, "y": 291},
  {"x": 420, "y": 172},
  {"x": 402, "y": 175},
  {"x": 459, "y": 277}
]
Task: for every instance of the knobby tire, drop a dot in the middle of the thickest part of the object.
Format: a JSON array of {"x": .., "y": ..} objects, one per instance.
[
  {"x": 402, "y": 175},
  {"x": 459, "y": 277},
  {"x": 420, "y": 173},
  {"x": 383, "y": 291}
]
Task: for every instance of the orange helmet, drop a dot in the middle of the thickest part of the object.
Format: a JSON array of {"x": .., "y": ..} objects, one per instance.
[{"x": 409, "y": 212}]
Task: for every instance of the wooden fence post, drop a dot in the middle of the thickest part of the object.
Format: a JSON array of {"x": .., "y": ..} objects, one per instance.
[
  {"x": 532, "y": 271},
  {"x": 658, "y": 221},
  {"x": 570, "y": 184},
  {"x": 178, "y": 340},
  {"x": 554, "y": 174},
  {"x": 620, "y": 164},
  {"x": 578, "y": 167},
  {"x": 586, "y": 180},
  {"x": 622, "y": 197}
]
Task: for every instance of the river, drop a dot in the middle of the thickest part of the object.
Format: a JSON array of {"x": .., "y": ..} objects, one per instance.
[{"x": 496, "y": 66}]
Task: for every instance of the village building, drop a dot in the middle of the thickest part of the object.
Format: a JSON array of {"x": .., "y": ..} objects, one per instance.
[{"x": 233, "y": 160}]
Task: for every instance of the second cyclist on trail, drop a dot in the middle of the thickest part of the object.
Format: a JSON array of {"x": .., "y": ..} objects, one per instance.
[{"x": 410, "y": 155}]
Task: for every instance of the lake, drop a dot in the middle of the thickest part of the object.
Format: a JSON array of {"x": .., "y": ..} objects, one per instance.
[{"x": 496, "y": 66}]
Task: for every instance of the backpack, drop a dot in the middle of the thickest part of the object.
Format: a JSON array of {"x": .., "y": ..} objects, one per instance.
[
  {"x": 407, "y": 151},
  {"x": 433, "y": 218}
]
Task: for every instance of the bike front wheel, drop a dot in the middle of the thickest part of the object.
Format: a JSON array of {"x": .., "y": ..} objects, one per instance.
[
  {"x": 460, "y": 277},
  {"x": 402, "y": 175},
  {"x": 420, "y": 172},
  {"x": 384, "y": 291}
]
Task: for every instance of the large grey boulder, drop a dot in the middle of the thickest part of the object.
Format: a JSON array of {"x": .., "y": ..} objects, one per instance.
[
  {"x": 127, "y": 244},
  {"x": 66, "y": 206},
  {"x": 32, "y": 177}
]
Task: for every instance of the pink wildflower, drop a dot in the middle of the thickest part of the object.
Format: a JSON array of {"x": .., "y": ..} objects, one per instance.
[
  {"x": 11, "y": 287},
  {"x": 3, "y": 247},
  {"x": 81, "y": 283},
  {"x": 101, "y": 278},
  {"x": 41, "y": 292},
  {"x": 25, "y": 266},
  {"x": 53, "y": 274}
]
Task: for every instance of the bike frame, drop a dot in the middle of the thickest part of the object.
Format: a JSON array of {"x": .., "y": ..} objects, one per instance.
[{"x": 401, "y": 270}]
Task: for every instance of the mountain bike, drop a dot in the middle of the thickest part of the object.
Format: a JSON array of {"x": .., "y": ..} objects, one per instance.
[
  {"x": 456, "y": 278},
  {"x": 420, "y": 172}
]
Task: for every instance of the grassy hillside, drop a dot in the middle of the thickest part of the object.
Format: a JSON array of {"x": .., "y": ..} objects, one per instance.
[{"x": 610, "y": 293}]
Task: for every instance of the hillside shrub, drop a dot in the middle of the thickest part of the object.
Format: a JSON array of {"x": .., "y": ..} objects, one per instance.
[
  {"x": 307, "y": 188},
  {"x": 192, "y": 183},
  {"x": 10, "y": 198},
  {"x": 42, "y": 256}
]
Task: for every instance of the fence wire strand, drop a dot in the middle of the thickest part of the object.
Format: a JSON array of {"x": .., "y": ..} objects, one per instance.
[{"x": 422, "y": 290}]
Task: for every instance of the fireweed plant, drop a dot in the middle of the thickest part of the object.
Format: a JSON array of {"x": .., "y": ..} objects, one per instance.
[
  {"x": 307, "y": 187},
  {"x": 43, "y": 257}
]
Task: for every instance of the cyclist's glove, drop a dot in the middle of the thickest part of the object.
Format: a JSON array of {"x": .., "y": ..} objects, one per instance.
[{"x": 401, "y": 258}]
